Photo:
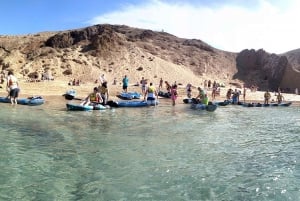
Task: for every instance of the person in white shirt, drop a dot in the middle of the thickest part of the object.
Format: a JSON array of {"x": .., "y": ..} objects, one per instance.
[{"x": 102, "y": 79}]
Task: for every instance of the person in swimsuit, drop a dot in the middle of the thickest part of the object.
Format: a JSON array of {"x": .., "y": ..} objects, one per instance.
[
  {"x": 160, "y": 84},
  {"x": 103, "y": 90},
  {"x": 13, "y": 87},
  {"x": 189, "y": 90},
  {"x": 267, "y": 97},
  {"x": 151, "y": 93},
  {"x": 280, "y": 97},
  {"x": 143, "y": 82},
  {"x": 174, "y": 94}
]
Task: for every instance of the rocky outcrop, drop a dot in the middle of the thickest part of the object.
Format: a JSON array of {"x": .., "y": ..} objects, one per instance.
[
  {"x": 81, "y": 36},
  {"x": 117, "y": 49},
  {"x": 291, "y": 78},
  {"x": 261, "y": 68}
]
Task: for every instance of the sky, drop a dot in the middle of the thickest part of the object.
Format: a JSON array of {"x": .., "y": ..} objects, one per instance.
[{"x": 230, "y": 25}]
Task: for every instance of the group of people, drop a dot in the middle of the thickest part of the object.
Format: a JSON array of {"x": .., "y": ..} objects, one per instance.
[
  {"x": 234, "y": 95},
  {"x": 99, "y": 95},
  {"x": 279, "y": 97},
  {"x": 74, "y": 82}
]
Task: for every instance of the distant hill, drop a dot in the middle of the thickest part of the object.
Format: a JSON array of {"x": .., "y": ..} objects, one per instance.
[{"x": 118, "y": 50}]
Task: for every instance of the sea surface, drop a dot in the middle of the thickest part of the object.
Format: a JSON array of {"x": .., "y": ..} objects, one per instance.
[{"x": 156, "y": 153}]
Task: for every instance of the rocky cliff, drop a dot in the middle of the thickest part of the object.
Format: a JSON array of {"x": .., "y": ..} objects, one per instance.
[
  {"x": 261, "y": 68},
  {"x": 116, "y": 50}
]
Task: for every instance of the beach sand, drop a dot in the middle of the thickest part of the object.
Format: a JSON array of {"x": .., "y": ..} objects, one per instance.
[{"x": 56, "y": 88}]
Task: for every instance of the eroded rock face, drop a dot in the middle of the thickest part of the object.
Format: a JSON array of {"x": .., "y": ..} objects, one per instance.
[
  {"x": 67, "y": 39},
  {"x": 109, "y": 47},
  {"x": 267, "y": 68}
]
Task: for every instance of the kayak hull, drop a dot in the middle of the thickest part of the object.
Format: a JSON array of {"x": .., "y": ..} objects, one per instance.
[
  {"x": 78, "y": 107},
  {"x": 209, "y": 108},
  {"x": 31, "y": 101}
]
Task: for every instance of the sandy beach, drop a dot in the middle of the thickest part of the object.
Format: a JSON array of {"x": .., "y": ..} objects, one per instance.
[{"x": 49, "y": 89}]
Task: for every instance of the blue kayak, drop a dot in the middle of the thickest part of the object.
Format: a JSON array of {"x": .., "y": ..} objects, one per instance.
[
  {"x": 132, "y": 103},
  {"x": 78, "y": 107},
  {"x": 286, "y": 104},
  {"x": 31, "y": 101},
  {"x": 199, "y": 106},
  {"x": 129, "y": 95},
  {"x": 222, "y": 103},
  {"x": 218, "y": 103}
]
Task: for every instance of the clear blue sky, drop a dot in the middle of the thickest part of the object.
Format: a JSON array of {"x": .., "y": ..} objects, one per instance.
[
  {"x": 32, "y": 16},
  {"x": 231, "y": 25}
]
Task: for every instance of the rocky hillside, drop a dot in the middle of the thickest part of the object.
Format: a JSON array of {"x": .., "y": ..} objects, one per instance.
[{"x": 118, "y": 50}]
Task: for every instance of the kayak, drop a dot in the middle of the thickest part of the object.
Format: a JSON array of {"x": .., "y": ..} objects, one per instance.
[
  {"x": 286, "y": 104},
  {"x": 70, "y": 94},
  {"x": 78, "y": 107},
  {"x": 129, "y": 95},
  {"x": 31, "y": 101},
  {"x": 199, "y": 106},
  {"x": 218, "y": 103},
  {"x": 164, "y": 94},
  {"x": 187, "y": 100},
  {"x": 132, "y": 103},
  {"x": 222, "y": 103}
]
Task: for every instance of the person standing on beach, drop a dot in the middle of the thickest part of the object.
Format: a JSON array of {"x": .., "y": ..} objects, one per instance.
[
  {"x": 13, "y": 86},
  {"x": 244, "y": 94},
  {"x": 160, "y": 84},
  {"x": 280, "y": 97},
  {"x": 267, "y": 97},
  {"x": 102, "y": 79},
  {"x": 151, "y": 93},
  {"x": 228, "y": 94},
  {"x": 143, "y": 82},
  {"x": 214, "y": 93},
  {"x": 174, "y": 94},
  {"x": 189, "y": 90},
  {"x": 125, "y": 83},
  {"x": 168, "y": 86},
  {"x": 104, "y": 92}
]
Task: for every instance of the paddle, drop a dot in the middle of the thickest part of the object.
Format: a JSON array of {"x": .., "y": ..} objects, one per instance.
[{"x": 70, "y": 97}]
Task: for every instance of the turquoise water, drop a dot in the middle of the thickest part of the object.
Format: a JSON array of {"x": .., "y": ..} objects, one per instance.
[{"x": 156, "y": 153}]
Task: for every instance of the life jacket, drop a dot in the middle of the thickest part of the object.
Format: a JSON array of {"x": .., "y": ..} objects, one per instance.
[
  {"x": 205, "y": 100},
  {"x": 151, "y": 89},
  {"x": 94, "y": 98}
]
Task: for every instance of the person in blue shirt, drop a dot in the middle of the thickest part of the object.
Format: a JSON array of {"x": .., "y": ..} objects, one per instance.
[{"x": 125, "y": 83}]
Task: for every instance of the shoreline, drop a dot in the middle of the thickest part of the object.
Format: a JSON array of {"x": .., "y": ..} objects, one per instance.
[{"x": 55, "y": 89}]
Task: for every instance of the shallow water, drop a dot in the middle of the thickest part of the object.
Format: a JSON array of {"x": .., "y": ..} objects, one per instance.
[{"x": 155, "y": 153}]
